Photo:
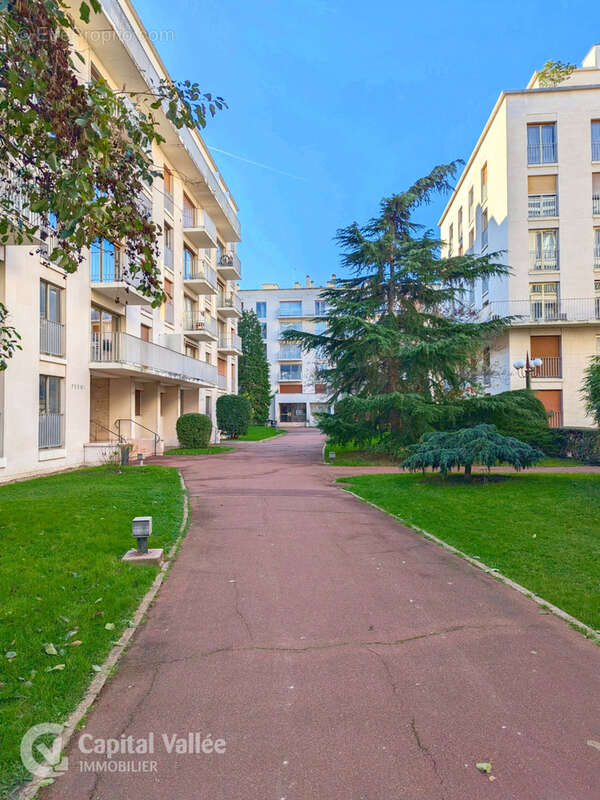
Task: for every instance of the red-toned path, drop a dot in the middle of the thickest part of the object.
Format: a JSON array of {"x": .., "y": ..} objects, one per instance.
[{"x": 341, "y": 657}]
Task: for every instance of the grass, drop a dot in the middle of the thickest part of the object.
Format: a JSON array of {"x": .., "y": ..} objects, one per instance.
[
  {"x": 198, "y": 451},
  {"x": 62, "y": 582},
  {"x": 350, "y": 456},
  {"x": 540, "y": 530},
  {"x": 560, "y": 462},
  {"x": 258, "y": 432}
]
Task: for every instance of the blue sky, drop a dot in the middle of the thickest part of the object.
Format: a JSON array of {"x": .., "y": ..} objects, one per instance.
[{"x": 354, "y": 100}]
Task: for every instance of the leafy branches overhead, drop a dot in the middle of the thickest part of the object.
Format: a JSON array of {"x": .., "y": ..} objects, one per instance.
[
  {"x": 554, "y": 72},
  {"x": 76, "y": 155},
  {"x": 591, "y": 389}
]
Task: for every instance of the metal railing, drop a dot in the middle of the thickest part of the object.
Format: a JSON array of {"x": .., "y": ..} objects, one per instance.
[
  {"x": 542, "y": 205},
  {"x": 595, "y": 151},
  {"x": 596, "y": 204},
  {"x": 230, "y": 301},
  {"x": 199, "y": 270},
  {"x": 52, "y": 337},
  {"x": 580, "y": 309},
  {"x": 555, "y": 419},
  {"x": 169, "y": 203},
  {"x": 541, "y": 153},
  {"x": 198, "y": 218},
  {"x": 11, "y": 189},
  {"x": 131, "y": 422},
  {"x": 112, "y": 267},
  {"x": 199, "y": 321},
  {"x": 597, "y": 256},
  {"x": 230, "y": 259},
  {"x": 143, "y": 356},
  {"x": 551, "y": 368},
  {"x": 547, "y": 258},
  {"x": 222, "y": 381},
  {"x": 289, "y": 353},
  {"x": 96, "y": 426},
  {"x": 233, "y": 342},
  {"x": 50, "y": 431}
]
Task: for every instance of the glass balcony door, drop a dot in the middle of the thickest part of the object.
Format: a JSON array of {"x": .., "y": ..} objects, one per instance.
[{"x": 105, "y": 327}]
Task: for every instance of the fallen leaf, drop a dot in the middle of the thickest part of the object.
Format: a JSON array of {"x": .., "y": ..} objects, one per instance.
[
  {"x": 96, "y": 668},
  {"x": 76, "y": 643},
  {"x": 68, "y": 634},
  {"x": 109, "y": 626},
  {"x": 593, "y": 743},
  {"x": 484, "y": 766},
  {"x": 55, "y": 667},
  {"x": 50, "y": 649},
  {"x": 10, "y": 654},
  {"x": 47, "y": 782}
]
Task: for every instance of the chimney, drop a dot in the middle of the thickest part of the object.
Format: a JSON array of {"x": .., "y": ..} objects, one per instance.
[
  {"x": 308, "y": 281},
  {"x": 297, "y": 285},
  {"x": 593, "y": 58}
]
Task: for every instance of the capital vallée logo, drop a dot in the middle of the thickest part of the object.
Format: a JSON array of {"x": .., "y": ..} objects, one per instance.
[{"x": 41, "y": 759}]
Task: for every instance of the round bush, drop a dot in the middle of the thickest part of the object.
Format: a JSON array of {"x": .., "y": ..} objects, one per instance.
[
  {"x": 193, "y": 430},
  {"x": 233, "y": 414}
]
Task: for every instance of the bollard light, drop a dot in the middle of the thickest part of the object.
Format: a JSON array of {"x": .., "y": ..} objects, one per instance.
[
  {"x": 141, "y": 528},
  {"x": 140, "y": 458},
  {"x": 332, "y": 456}
]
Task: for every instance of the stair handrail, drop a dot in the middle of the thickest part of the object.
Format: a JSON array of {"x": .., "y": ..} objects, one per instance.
[
  {"x": 105, "y": 428},
  {"x": 135, "y": 422}
]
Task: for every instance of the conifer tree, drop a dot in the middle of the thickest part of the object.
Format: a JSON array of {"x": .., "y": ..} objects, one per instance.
[{"x": 253, "y": 368}]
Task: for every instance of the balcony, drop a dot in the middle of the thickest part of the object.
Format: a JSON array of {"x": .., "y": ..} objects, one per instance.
[
  {"x": 200, "y": 326},
  {"x": 229, "y": 266},
  {"x": 555, "y": 419},
  {"x": 230, "y": 345},
  {"x": 200, "y": 277},
  {"x": 596, "y": 204},
  {"x": 292, "y": 311},
  {"x": 229, "y": 305},
  {"x": 222, "y": 382},
  {"x": 52, "y": 338},
  {"x": 597, "y": 257},
  {"x": 551, "y": 368},
  {"x": 290, "y": 353},
  {"x": 50, "y": 432},
  {"x": 123, "y": 354},
  {"x": 110, "y": 278},
  {"x": 542, "y": 311},
  {"x": 546, "y": 259},
  {"x": 20, "y": 215},
  {"x": 541, "y": 153},
  {"x": 199, "y": 227},
  {"x": 542, "y": 205},
  {"x": 595, "y": 151}
]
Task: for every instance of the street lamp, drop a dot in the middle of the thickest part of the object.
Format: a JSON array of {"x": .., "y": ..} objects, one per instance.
[{"x": 526, "y": 367}]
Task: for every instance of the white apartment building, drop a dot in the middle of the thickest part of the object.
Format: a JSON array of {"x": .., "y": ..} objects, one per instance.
[
  {"x": 298, "y": 390},
  {"x": 98, "y": 362},
  {"x": 531, "y": 188}
]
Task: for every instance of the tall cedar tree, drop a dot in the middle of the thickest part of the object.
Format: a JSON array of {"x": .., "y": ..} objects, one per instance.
[
  {"x": 253, "y": 368},
  {"x": 396, "y": 342}
]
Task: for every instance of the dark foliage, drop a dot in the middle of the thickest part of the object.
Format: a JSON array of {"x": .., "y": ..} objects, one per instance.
[
  {"x": 234, "y": 414},
  {"x": 193, "y": 430},
  {"x": 253, "y": 368}
]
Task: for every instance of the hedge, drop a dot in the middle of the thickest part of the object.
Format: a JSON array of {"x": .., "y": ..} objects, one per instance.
[
  {"x": 193, "y": 430},
  {"x": 582, "y": 444},
  {"x": 233, "y": 415}
]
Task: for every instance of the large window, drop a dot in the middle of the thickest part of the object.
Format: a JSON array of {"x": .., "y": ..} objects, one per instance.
[
  {"x": 263, "y": 330},
  {"x": 320, "y": 308},
  {"x": 596, "y": 140},
  {"x": 189, "y": 263},
  {"x": 541, "y": 143},
  {"x": 261, "y": 310},
  {"x": 542, "y": 196},
  {"x": 544, "y": 300},
  {"x": 168, "y": 305},
  {"x": 50, "y": 421},
  {"x": 290, "y": 372},
  {"x": 484, "y": 229},
  {"x": 597, "y": 248},
  {"x": 543, "y": 249},
  {"x": 290, "y": 308},
  {"x": 105, "y": 262},
  {"x": 168, "y": 186},
  {"x": 51, "y": 329},
  {"x": 471, "y": 205},
  {"x": 320, "y": 328},
  {"x": 168, "y": 246},
  {"x": 105, "y": 327},
  {"x": 484, "y": 183}
]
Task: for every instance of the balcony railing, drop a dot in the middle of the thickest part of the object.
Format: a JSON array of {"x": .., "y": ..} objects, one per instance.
[
  {"x": 199, "y": 270},
  {"x": 169, "y": 203},
  {"x": 544, "y": 259},
  {"x": 233, "y": 342},
  {"x": 51, "y": 337},
  {"x": 143, "y": 356},
  {"x": 551, "y": 367},
  {"x": 580, "y": 309},
  {"x": 222, "y": 381},
  {"x": 199, "y": 227},
  {"x": 541, "y": 153},
  {"x": 595, "y": 151},
  {"x": 543, "y": 205},
  {"x": 290, "y": 353},
  {"x": 50, "y": 431},
  {"x": 285, "y": 311},
  {"x": 596, "y": 204},
  {"x": 230, "y": 301},
  {"x": 555, "y": 419},
  {"x": 199, "y": 321},
  {"x": 597, "y": 257}
]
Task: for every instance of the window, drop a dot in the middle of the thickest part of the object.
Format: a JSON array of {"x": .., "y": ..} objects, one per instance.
[
  {"x": 105, "y": 258},
  {"x": 290, "y": 372},
  {"x": 320, "y": 308},
  {"x": 51, "y": 330},
  {"x": 485, "y": 285},
  {"x": 287, "y": 326},
  {"x": 471, "y": 238},
  {"x": 320, "y": 328},
  {"x": 471, "y": 205},
  {"x": 162, "y": 403},
  {"x": 94, "y": 73},
  {"x": 596, "y": 192},
  {"x": 105, "y": 332},
  {"x": 168, "y": 246},
  {"x": 543, "y": 249},
  {"x": 542, "y": 197},
  {"x": 50, "y": 421},
  {"x": 189, "y": 213},
  {"x": 541, "y": 143},
  {"x": 208, "y": 405},
  {"x": 487, "y": 366},
  {"x": 191, "y": 351},
  {"x": 261, "y": 310},
  {"x": 596, "y": 140},
  {"x": 484, "y": 229},
  {"x": 451, "y": 240},
  {"x": 168, "y": 304},
  {"x": 597, "y": 248},
  {"x": 138, "y": 403},
  {"x": 189, "y": 263},
  {"x": 291, "y": 308},
  {"x": 484, "y": 183},
  {"x": 460, "y": 227},
  {"x": 544, "y": 301},
  {"x": 145, "y": 333},
  {"x": 168, "y": 182},
  {"x": 263, "y": 330}
]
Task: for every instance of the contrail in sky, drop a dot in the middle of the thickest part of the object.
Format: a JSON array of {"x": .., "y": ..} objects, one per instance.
[{"x": 256, "y": 163}]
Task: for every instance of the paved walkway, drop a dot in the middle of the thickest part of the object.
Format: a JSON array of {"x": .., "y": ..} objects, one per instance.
[{"x": 341, "y": 657}]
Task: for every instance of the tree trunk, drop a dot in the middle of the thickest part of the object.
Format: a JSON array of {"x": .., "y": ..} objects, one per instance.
[{"x": 467, "y": 470}]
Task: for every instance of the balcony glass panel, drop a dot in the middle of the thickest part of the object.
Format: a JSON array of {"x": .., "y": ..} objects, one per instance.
[{"x": 290, "y": 309}]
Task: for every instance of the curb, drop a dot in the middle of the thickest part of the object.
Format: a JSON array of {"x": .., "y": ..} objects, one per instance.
[
  {"x": 589, "y": 632},
  {"x": 97, "y": 683}
]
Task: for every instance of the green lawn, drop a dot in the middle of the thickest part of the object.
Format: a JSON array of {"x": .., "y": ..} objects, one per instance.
[
  {"x": 540, "y": 530},
  {"x": 198, "y": 451},
  {"x": 258, "y": 432},
  {"x": 352, "y": 456},
  {"x": 62, "y": 583}
]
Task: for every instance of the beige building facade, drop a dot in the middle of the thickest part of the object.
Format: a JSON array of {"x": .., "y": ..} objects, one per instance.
[
  {"x": 98, "y": 363},
  {"x": 531, "y": 190}
]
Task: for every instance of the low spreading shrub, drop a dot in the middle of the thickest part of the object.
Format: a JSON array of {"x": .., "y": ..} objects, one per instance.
[{"x": 193, "y": 430}]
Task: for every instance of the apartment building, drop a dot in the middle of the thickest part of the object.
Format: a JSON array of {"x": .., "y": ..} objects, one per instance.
[
  {"x": 298, "y": 389},
  {"x": 531, "y": 188},
  {"x": 99, "y": 364}
]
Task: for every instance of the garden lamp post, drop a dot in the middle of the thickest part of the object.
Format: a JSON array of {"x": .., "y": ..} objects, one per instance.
[{"x": 526, "y": 367}]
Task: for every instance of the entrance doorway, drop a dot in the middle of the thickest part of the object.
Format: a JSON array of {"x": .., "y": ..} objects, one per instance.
[{"x": 292, "y": 412}]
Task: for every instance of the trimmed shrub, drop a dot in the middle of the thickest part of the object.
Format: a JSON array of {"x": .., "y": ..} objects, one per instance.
[
  {"x": 582, "y": 444},
  {"x": 193, "y": 430},
  {"x": 233, "y": 415}
]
